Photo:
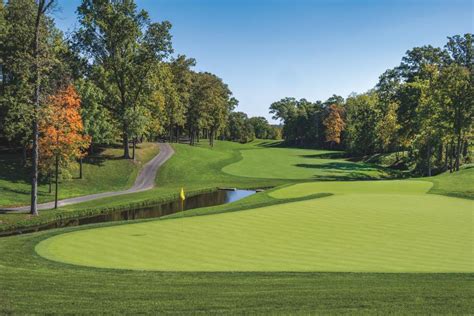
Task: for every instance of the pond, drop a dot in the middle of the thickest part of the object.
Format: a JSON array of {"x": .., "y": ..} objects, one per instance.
[{"x": 201, "y": 200}]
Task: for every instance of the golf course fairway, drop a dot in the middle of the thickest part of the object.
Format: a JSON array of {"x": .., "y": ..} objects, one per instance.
[
  {"x": 376, "y": 226},
  {"x": 292, "y": 163}
]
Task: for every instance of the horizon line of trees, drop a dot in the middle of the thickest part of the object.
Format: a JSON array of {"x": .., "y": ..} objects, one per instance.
[{"x": 424, "y": 107}]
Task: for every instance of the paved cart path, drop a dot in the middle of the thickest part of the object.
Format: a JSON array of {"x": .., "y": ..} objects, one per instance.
[{"x": 145, "y": 181}]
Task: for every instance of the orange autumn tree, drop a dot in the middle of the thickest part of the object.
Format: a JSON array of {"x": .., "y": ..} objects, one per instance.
[
  {"x": 334, "y": 124},
  {"x": 62, "y": 138}
]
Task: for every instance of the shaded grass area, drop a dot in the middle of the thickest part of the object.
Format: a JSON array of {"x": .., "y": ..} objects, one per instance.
[
  {"x": 293, "y": 163},
  {"x": 102, "y": 172},
  {"x": 31, "y": 284}
]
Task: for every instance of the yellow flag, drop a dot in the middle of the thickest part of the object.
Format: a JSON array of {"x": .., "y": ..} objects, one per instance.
[{"x": 181, "y": 195}]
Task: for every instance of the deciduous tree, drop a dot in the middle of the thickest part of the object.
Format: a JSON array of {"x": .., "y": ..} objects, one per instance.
[
  {"x": 334, "y": 123},
  {"x": 125, "y": 47},
  {"x": 62, "y": 139}
]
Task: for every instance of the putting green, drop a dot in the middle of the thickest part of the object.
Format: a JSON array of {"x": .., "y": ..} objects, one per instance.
[
  {"x": 291, "y": 163},
  {"x": 391, "y": 230}
]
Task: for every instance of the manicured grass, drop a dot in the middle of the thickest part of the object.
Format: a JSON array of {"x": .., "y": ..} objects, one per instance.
[
  {"x": 388, "y": 187},
  {"x": 293, "y": 163},
  {"x": 102, "y": 172},
  {"x": 384, "y": 226},
  {"x": 31, "y": 284}
]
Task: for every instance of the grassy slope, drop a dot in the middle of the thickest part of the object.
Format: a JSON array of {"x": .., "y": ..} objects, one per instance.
[
  {"x": 103, "y": 172},
  {"x": 457, "y": 184},
  {"x": 291, "y": 163}
]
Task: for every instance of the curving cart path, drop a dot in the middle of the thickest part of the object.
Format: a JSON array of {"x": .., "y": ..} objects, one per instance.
[{"x": 145, "y": 181}]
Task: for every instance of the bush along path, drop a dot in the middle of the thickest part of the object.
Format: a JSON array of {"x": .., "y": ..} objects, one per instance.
[{"x": 145, "y": 181}]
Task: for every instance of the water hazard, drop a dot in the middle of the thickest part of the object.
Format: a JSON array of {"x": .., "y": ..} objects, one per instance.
[{"x": 202, "y": 200}]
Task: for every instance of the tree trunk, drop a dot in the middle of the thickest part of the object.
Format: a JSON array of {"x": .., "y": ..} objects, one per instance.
[
  {"x": 451, "y": 154},
  {"x": 57, "y": 182},
  {"x": 23, "y": 152},
  {"x": 126, "y": 150},
  {"x": 440, "y": 154},
  {"x": 458, "y": 152},
  {"x": 446, "y": 155},
  {"x": 134, "y": 146},
  {"x": 50, "y": 179},
  {"x": 35, "y": 152},
  {"x": 211, "y": 137},
  {"x": 428, "y": 156},
  {"x": 80, "y": 168},
  {"x": 91, "y": 149}
]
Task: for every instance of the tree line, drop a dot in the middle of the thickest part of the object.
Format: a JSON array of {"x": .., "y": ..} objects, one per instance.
[
  {"x": 115, "y": 77},
  {"x": 422, "y": 108}
]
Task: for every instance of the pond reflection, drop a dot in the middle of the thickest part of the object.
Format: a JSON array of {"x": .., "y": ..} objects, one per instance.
[{"x": 201, "y": 200}]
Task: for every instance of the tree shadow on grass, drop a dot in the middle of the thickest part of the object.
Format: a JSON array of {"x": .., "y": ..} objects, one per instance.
[
  {"x": 344, "y": 166},
  {"x": 347, "y": 171},
  {"x": 344, "y": 176},
  {"x": 326, "y": 155},
  {"x": 12, "y": 168},
  {"x": 270, "y": 144}
]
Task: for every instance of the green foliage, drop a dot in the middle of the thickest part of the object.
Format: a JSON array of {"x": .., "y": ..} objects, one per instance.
[
  {"x": 240, "y": 128},
  {"x": 210, "y": 104},
  {"x": 262, "y": 129},
  {"x": 424, "y": 106},
  {"x": 17, "y": 60},
  {"x": 97, "y": 119},
  {"x": 125, "y": 48},
  {"x": 173, "y": 105},
  {"x": 361, "y": 122}
]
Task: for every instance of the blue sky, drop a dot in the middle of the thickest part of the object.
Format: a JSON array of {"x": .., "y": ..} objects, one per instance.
[{"x": 269, "y": 49}]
